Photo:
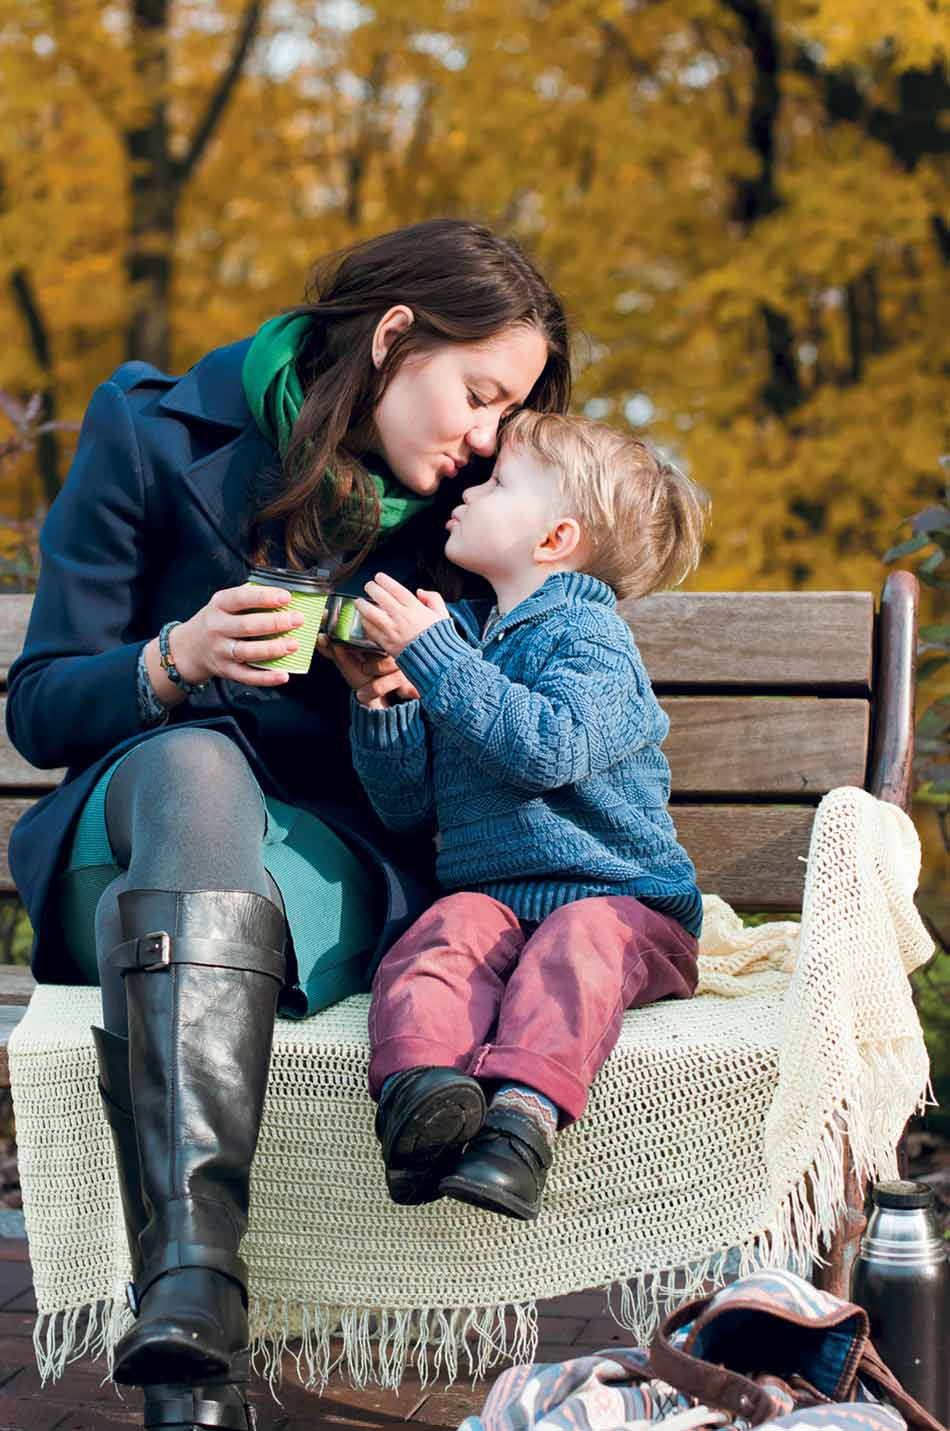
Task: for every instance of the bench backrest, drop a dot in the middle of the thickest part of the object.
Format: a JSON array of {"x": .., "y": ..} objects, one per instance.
[{"x": 774, "y": 698}]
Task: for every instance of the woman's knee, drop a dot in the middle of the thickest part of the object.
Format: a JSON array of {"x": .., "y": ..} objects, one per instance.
[
  {"x": 185, "y": 758},
  {"x": 186, "y": 778}
]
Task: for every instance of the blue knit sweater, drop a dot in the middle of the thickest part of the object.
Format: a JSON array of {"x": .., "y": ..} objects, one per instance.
[{"x": 535, "y": 751}]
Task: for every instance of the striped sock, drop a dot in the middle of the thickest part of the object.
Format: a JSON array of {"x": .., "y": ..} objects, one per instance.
[{"x": 518, "y": 1098}]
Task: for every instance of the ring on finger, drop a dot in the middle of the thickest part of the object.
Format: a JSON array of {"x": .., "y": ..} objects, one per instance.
[{"x": 234, "y": 655}]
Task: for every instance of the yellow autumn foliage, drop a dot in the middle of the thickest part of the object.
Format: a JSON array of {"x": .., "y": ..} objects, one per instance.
[{"x": 793, "y": 353}]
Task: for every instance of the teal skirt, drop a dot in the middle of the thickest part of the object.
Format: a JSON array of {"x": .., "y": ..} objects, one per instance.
[{"x": 331, "y": 901}]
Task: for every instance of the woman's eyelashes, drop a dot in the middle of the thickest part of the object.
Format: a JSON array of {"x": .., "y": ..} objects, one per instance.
[{"x": 475, "y": 401}]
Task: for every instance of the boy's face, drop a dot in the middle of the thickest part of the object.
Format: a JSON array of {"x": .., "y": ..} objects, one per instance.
[{"x": 499, "y": 524}]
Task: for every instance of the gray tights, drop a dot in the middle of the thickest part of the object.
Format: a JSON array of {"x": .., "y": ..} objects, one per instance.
[{"x": 183, "y": 813}]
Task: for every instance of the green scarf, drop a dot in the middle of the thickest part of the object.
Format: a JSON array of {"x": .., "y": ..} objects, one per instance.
[{"x": 275, "y": 397}]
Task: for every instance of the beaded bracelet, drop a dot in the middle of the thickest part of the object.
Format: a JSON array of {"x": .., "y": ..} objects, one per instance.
[
  {"x": 151, "y": 710},
  {"x": 190, "y": 688}
]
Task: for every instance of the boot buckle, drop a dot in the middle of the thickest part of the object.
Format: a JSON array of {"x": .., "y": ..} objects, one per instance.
[
  {"x": 132, "y": 1297},
  {"x": 153, "y": 951}
]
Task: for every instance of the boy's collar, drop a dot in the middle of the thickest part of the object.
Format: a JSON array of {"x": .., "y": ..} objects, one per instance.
[{"x": 561, "y": 588}]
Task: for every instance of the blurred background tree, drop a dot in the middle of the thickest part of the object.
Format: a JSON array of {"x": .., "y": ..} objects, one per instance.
[{"x": 743, "y": 204}]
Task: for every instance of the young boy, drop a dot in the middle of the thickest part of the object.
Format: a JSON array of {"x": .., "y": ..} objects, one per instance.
[{"x": 534, "y": 746}]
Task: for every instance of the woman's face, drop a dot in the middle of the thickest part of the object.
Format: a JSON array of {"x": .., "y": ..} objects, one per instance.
[{"x": 444, "y": 406}]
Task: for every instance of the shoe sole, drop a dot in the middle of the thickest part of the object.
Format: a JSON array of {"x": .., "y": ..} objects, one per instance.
[
  {"x": 229, "y": 1398},
  {"x": 437, "y": 1124},
  {"x": 477, "y": 1196},
  {"x": 412, "y": 1187},
  {"x": 173, "y": 1362}
]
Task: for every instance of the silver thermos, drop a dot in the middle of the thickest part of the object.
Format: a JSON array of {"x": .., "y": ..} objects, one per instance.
[{"x": 901, "y": 1279}]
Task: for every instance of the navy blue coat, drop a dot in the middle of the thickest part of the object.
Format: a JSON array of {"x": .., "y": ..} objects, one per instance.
[{"x": 152, "y": 520}]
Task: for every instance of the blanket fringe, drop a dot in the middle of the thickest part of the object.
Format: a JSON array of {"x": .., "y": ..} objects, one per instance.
[
  {"x": 376, "y": 1345},
  {"x": 91, "y": 1330},
  {"x": 810, "y": 1209}
]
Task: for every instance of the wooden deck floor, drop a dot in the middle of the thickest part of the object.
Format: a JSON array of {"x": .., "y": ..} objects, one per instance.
[{"x": 570, "y": 1326}]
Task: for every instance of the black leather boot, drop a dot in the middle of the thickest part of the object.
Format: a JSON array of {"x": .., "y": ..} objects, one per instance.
[
  {"x": 202, "y": 973},
  {"x": 425, "y": 1117},
  {"x": 504, "y": 1168},
  {"x": 221, "y": 1404},
  {"x": 112, "y": 1056},
  {"x": 218, "y": 1405}
]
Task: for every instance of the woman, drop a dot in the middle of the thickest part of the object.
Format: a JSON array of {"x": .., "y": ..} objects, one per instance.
[{"x": 192, "y": 860}]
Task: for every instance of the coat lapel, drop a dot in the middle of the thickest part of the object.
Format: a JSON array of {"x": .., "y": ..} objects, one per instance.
[{"x": 220, "y": 483}]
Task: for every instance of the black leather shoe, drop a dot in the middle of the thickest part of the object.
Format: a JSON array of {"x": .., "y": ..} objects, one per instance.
[
  {"x": 213, "y": 1406},
  {"x": 503, "y": 1169},
  {"x": 413, "y": 1187},
  {"x": 425, "y": 1116}
]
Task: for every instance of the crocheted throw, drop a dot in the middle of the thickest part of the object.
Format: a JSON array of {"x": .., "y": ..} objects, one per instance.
[{"x": 706, "y": 1129}]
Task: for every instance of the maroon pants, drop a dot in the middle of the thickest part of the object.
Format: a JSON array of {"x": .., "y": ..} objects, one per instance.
[{"x": 470, "y": 987}]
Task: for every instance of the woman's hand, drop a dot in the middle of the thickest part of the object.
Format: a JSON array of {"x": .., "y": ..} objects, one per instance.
[
  {"x": 395, "y": 617},
  {"x": 215, "y": 641},
  {"x": 376, "y": 681}
]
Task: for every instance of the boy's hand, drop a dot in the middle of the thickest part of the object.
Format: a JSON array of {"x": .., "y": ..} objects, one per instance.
[{"x": 398, "y": 617}]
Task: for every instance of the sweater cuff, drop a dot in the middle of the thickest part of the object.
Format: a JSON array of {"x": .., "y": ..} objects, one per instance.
[
  {"x": 432, "y": 654},
  {"x": 383, "y": 729}
]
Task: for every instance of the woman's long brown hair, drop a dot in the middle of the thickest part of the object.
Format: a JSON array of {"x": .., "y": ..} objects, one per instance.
[{"x": 464, "y": 284}]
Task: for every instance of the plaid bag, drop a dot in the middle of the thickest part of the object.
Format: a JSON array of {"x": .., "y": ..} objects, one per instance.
[{"x": 769, "y": 1350}]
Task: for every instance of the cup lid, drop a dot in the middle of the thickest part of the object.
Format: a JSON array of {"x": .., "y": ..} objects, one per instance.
[
  {"x": 903, "y": 1193},
  {"x": 284, "y": 576}
]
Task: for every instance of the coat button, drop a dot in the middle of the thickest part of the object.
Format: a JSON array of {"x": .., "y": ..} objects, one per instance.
[{"x": 745, "y": 1402}]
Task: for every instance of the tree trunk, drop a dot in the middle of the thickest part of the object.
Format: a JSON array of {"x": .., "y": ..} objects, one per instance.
[
  {"x": 47, "y": 444},
  {"x": 152, "y": 185},
  {"x": 757, "y": 195},
  {"x": 149, "y": 268},
  {"x": 156, "y": 177}
]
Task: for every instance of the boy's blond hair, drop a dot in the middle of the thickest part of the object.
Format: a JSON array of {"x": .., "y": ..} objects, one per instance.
[{"x": 643, "y": 519}]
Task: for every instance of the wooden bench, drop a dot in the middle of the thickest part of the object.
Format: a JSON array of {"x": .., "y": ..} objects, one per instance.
[{"x": 774, "y": 698}]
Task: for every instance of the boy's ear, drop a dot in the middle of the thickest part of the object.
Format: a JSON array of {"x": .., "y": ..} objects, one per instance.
[{"x": 561, "y": 541}]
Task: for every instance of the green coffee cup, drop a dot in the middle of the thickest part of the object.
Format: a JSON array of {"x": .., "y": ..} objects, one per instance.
[
  {"x": 345, "y": 624},
  {"x": 308, "y": 595}
]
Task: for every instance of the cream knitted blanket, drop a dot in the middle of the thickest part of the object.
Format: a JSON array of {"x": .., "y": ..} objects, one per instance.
[{"x": 705, "y": 1131}]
